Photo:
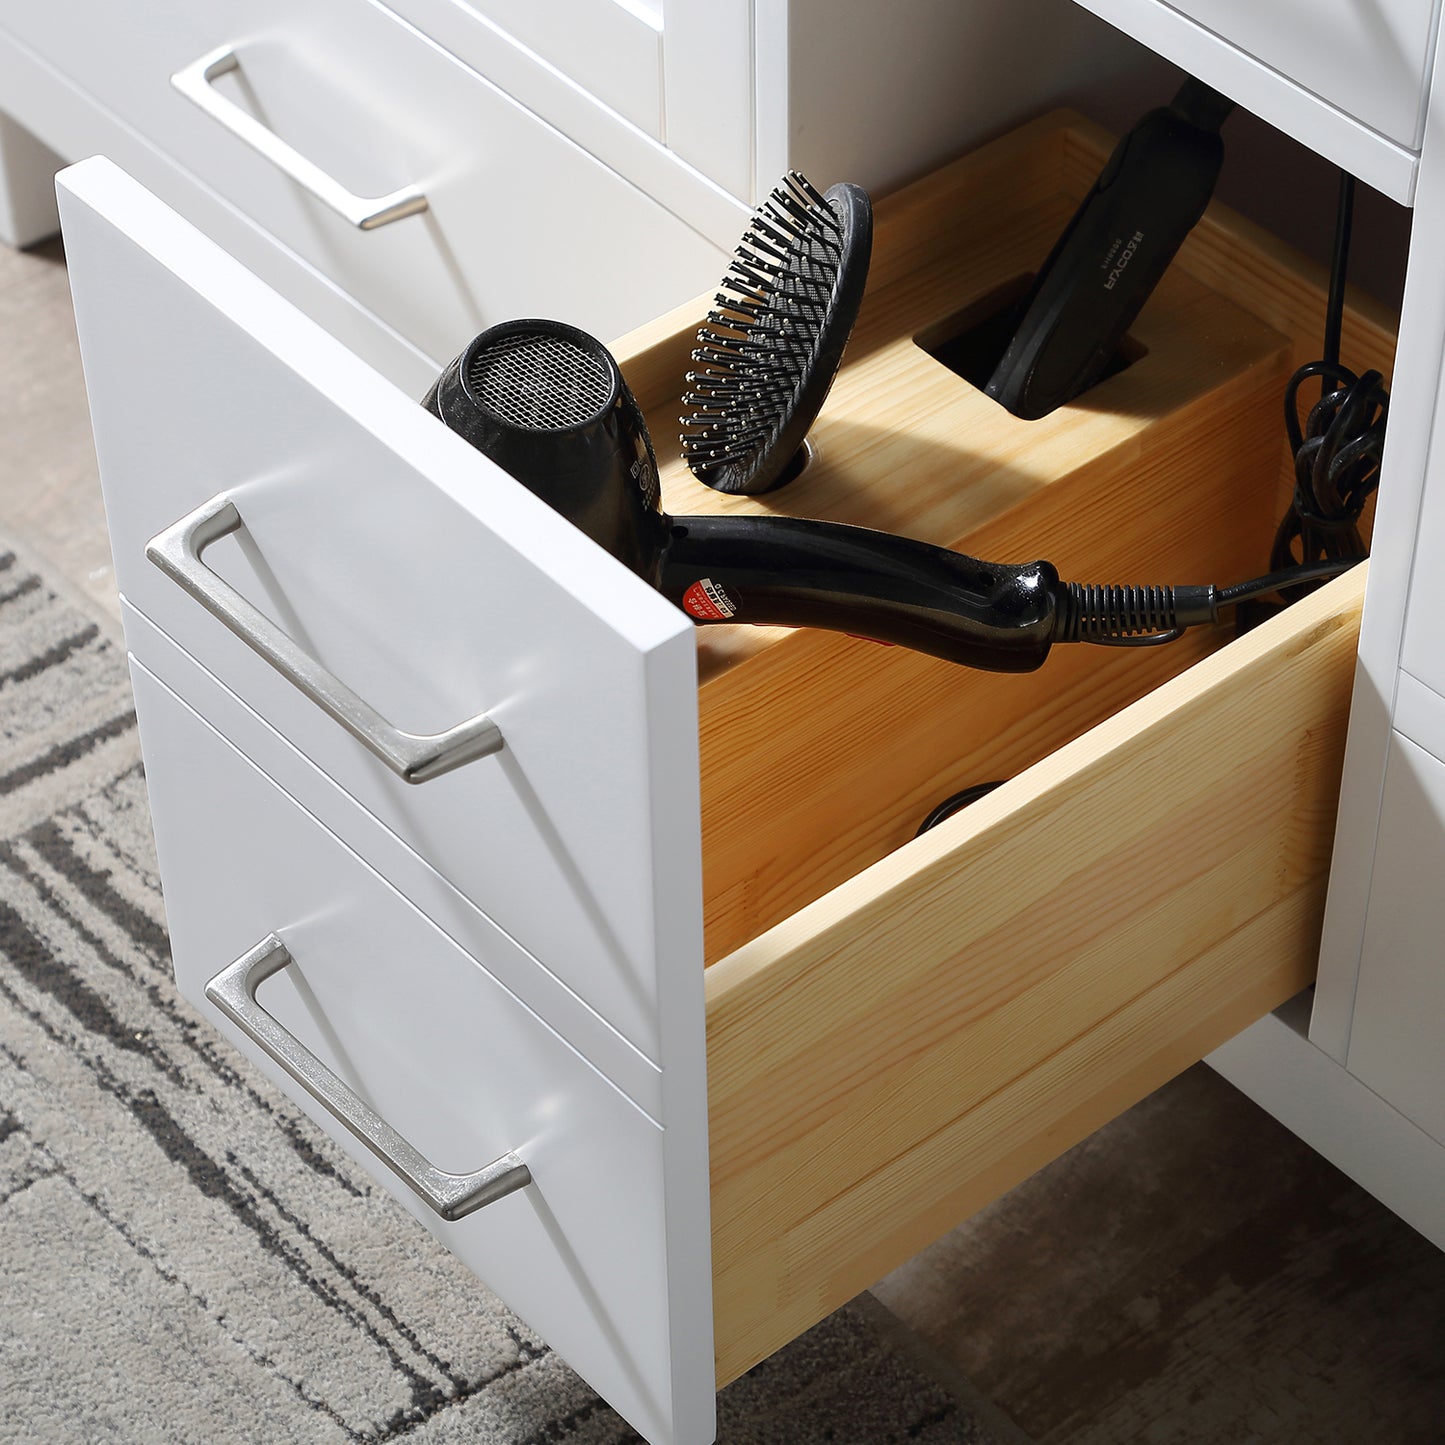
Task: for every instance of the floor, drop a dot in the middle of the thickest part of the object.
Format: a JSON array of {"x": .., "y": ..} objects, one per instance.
[{"x": 1191, "y": 1273}]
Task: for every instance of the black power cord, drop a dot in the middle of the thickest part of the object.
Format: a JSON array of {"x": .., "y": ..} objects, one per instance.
[
  {"x": 1337, "y": 451},
  {"x": 956, "y": 801}
]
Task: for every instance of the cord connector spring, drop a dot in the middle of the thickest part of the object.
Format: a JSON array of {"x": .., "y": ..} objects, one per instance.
[{"x": 1121, "y": 616}]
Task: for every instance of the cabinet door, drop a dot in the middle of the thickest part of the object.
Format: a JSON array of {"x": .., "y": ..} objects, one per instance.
[
  {"x": 1395, "y": 1036},
  {"x": 203, "y": 382}
]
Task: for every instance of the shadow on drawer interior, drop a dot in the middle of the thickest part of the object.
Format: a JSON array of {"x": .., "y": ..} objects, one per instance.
[{"x": 972, "y": 341}]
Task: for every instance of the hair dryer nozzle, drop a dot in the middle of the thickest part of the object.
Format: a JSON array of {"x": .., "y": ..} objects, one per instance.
[{"x": 548, "y": 404}]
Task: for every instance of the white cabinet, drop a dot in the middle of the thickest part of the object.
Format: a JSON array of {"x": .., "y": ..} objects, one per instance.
[
  {"x": 883, "y": 1055},
  {"x": 1350, "y": 80}
]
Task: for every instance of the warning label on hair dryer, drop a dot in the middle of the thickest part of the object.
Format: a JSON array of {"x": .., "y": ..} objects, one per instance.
[{"x": 706, "y": 601}]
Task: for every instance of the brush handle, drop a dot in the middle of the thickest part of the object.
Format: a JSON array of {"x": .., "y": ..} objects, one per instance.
[{"x": 791, "y": 572}]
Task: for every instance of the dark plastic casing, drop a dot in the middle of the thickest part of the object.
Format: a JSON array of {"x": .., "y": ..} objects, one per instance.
[{"x": 1104, "y": 267}]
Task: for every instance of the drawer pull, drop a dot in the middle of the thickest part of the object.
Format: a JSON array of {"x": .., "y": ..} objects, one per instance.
[
  {"x": 415, "y": 759},
  {"x": 452, "y": 1196},
  {"x": 194, "y": 82}
]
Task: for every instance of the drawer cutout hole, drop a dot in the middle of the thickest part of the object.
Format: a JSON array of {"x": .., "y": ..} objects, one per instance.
[{"x": 971, "y": 342}]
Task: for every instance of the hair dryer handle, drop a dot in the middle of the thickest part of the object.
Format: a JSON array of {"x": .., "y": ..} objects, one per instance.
[{"x": 790, "y": 572}]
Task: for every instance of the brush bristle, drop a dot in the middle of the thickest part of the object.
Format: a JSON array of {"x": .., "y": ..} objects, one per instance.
[{"x": 759, "y": 344}]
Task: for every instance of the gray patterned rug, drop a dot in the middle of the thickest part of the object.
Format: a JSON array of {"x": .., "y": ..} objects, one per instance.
[{"x": 182, "y": 1256}]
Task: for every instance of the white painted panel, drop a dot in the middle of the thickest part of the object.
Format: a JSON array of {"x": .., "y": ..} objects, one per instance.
[
  {"x": 413, "y": 875},
  {"x": 1399, "y": 1020},
  {"x": 685, "y": 180},
  {"x": 1369, "y": 59},
  {"x": 1422, "y": 652},
  {"x": 611, "y": 49},
  {"x": 1286, "y": 102},
  {"x": 709, "y": 58},
  {"x": 1420, "y": 714},
  {"x": 442, "y": 1052},
  {"x": 521, "y": 219},
  {"x": 1408, "y": 518},
  {"x": 424, "y": 578},
  {"x": 74, "y": 125}
]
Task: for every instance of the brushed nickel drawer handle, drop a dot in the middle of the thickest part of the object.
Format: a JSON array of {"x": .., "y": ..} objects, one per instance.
[
  {"x": 415, "y": 759},
  {"x": 194, "y": 81},
  {"x": 453, "y": 1196}
]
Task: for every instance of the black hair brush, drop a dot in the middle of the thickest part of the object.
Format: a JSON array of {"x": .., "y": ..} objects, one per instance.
[{"x": 769, "y": 350}]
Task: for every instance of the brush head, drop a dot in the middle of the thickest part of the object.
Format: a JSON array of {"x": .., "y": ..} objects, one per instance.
[{"x": 768, "y": 353}]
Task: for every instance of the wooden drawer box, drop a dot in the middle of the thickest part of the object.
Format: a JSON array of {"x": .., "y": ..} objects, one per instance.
[
  {"x": 899, "y": 1030},
  {"x": 896, "y": 1031}
]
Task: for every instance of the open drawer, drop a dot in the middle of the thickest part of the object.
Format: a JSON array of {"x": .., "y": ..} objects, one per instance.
[{"x": 897, "y": 1029}]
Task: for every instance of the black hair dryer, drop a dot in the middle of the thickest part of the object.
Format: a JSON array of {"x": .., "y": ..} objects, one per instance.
[{"x": 549, "y": 405}]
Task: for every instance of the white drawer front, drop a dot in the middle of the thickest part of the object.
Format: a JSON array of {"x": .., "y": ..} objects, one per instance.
[
  {"x": 520, "y": 220},
  {"x": 440, "y": 1051},
  {"x": 612, "y": 49},
  {"x": 428, "y": 582},
  {"x": 1350, "y": 80},
  {"x": 1371, "y": 60}
]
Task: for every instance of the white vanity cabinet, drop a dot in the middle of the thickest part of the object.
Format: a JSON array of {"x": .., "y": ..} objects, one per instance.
[
  {"x": 488, "y": 984},
  {"x": 868, "y": 1066}
]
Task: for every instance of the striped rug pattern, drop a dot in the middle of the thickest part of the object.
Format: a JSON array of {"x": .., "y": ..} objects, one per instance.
[{"x": 182, "y": 1256}]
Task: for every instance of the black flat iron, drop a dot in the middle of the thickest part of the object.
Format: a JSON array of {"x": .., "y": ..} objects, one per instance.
[{"x": 1104, "y": 267}]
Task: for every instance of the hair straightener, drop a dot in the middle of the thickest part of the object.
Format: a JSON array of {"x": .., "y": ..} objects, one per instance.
[{"x": 1110, "y": 257}]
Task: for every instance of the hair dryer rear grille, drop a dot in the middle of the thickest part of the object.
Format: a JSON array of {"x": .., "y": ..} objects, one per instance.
[{"x": 539, "y": 381}]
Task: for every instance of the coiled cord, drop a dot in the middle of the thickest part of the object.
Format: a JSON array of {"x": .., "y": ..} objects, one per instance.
[
  {"x": 1337, "y": 451},
  {"x": 1337, "y": 455}
]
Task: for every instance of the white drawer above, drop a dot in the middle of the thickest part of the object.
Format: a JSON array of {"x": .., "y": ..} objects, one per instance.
[
  {"x": 1347, "y": 79},
  {"x": 1371, "y": 60},
  {"x": 664, "y": 92},
  {"x": 342, "y": 98},
  {"x": 612, "y": 48}
]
